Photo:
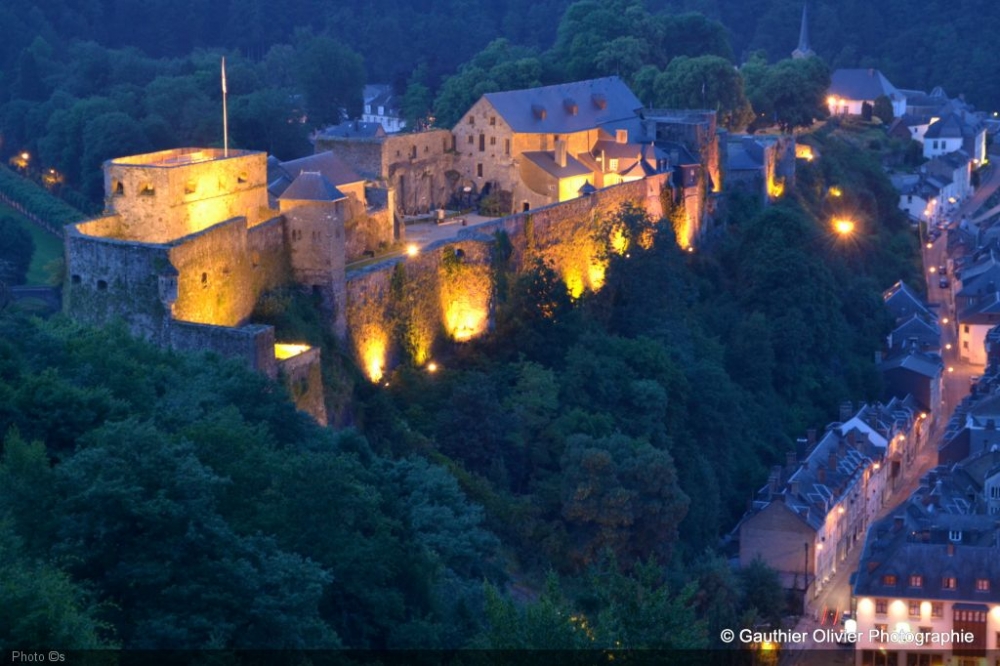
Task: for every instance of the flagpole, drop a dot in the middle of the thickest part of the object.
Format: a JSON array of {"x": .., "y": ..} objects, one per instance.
[{"x": 225, "y": 114}]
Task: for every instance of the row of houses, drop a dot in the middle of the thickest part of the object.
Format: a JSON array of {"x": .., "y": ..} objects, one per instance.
[
  {"x": 815, "y": 510},
  {"x": 927, "y": 588}
]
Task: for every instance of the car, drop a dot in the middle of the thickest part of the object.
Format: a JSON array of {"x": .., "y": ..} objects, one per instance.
[
  {"x": 943, "y": 283},
  {"x": 942, "y": 270},
  {"x": 848, "y": 625}
]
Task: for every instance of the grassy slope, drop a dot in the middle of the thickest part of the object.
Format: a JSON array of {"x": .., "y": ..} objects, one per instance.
[{"x": 47, "y": 247}]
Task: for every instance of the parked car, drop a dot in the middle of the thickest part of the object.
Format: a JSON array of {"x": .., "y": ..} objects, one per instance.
[
  {"x": 943, "y": 283},
  {"x": 942, "y": 270}
]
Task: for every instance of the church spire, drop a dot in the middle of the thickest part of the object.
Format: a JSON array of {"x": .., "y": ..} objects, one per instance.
[{"x": 803, "y": 51}]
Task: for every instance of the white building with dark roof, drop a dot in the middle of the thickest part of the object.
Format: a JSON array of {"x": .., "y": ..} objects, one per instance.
[
  {"x": 850, "y": 89},
  {"x": 931, "y": 572}
]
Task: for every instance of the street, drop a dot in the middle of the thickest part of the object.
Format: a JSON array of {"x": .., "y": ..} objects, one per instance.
[{"x": 836, "y": 596}]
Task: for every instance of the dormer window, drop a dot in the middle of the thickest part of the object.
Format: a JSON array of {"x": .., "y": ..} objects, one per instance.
[
  {"x": 982, "y": 585},
  {"x": 994, "y": 492},
  {"x": 949, "y": 583},
  {"x": 955, "y": 535},
  {"x": 889, "y": 580},
  {"x": 916, "y": 581}
]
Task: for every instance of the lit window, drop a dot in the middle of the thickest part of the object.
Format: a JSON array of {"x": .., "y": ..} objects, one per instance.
[
  {"x": 982, "y": 585},
  {"x": 883, "y": 631},
  {"x": 914, "y": 608},
  {"x": 881, "y": 606},
  {"x": 916, "y": 581},
  {"x": 613, "y": 164},
  {"x": 937, "y": 609},
  {"x": 955, "y": 535},
  {"x": 889, "y": 579},
  {"x": 949, "y": 583}
]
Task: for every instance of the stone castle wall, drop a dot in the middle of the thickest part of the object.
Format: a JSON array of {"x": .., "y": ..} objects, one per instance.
[
  {"x": 419, "y": 166},
  {"x": 402, "y": 308},
  {"x": 303, "y": 377},
  {"x": 161, "y": 198},
  {"x": 111, "y": 279},
  {"x": 214, "y": 275},
  {"x": 253, "y": 343}
]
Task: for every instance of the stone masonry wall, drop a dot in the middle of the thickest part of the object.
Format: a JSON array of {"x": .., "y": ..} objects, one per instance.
[
  {"x": 253, "y": 344},
  {"x": 213, "y": 276},
  {"x": 402, "y": 308},
  {"x": 303, "y": 378},
  {"x": 108, "y": 280}
]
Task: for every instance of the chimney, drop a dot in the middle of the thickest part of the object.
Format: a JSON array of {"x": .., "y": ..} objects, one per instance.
[
  {"x": 793, "y": 487},
  {"x": 773, "y": 481},
  {"x": 570, "y": 106},
  {"x": 811, "y": 436},
  {"x": 951, "y": 550},
  {"x": 538, "y": 111},
  {"x": 871, "y": 72},
  {"x": 599, "y": 100},
  {"x": 621, "y": 136},
  {"x": 846, "y": 411},
  {"x": 560, "y": 152},
  {"x": 791, "y": 459},
  {"x": 851, "y": 439},
  {"x": 897, "y": 523},
  {"x": 821, "y": 474},
  {"x": 831, "y": 461}
]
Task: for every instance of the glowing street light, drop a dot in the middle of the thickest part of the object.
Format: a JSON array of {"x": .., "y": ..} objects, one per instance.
[
  {"x": 432, "y": 367},
  {"x": 843, "y": 226},
  {"x": 412, "y": 250}
]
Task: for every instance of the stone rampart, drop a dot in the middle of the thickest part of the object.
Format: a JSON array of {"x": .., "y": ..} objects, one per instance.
[
  {"x": 253, "y": 344},
  {"x": 400, "y": 309},
  {"x": 109, "y": 279},
  {"x": 303, "y": 377}
]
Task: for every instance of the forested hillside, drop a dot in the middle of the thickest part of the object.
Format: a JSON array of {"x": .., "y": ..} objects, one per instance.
[{"x": 562, "y": 482}]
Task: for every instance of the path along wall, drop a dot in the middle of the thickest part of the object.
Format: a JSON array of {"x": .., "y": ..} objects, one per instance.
[{"x": 400, "y": 309}]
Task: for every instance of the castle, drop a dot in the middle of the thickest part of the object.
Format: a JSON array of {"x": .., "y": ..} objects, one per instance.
[{"x": 193, "y": 237}]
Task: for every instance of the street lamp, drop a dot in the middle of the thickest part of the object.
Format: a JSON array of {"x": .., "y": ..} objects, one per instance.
[{"x": 843, "y": 226}]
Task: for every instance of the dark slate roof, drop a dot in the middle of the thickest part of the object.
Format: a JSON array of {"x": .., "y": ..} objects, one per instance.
[
  {"x": 949, "y": 127},
  {"x": 311, "y": 186},
  {"x": 354, "y": 129},
  {"x": 677, "y": 153},
  {"x": 916, "y": 540},
  {"x": 334, "y": 169},
  {"x": 741, "y": 157},
  {"x": 546, "y": 161},
  {"x": 983, "y": 311},
  {"x": 926, "y": 333},
  {"x": 817, "y": 486},
  {"x": 861, "y": 84},
  {"x": 612, "y": 148},
  {"x": 902, "y": 301},
  {"x": 549, "y": 110},
  {"x": 928, "y": 365}
]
